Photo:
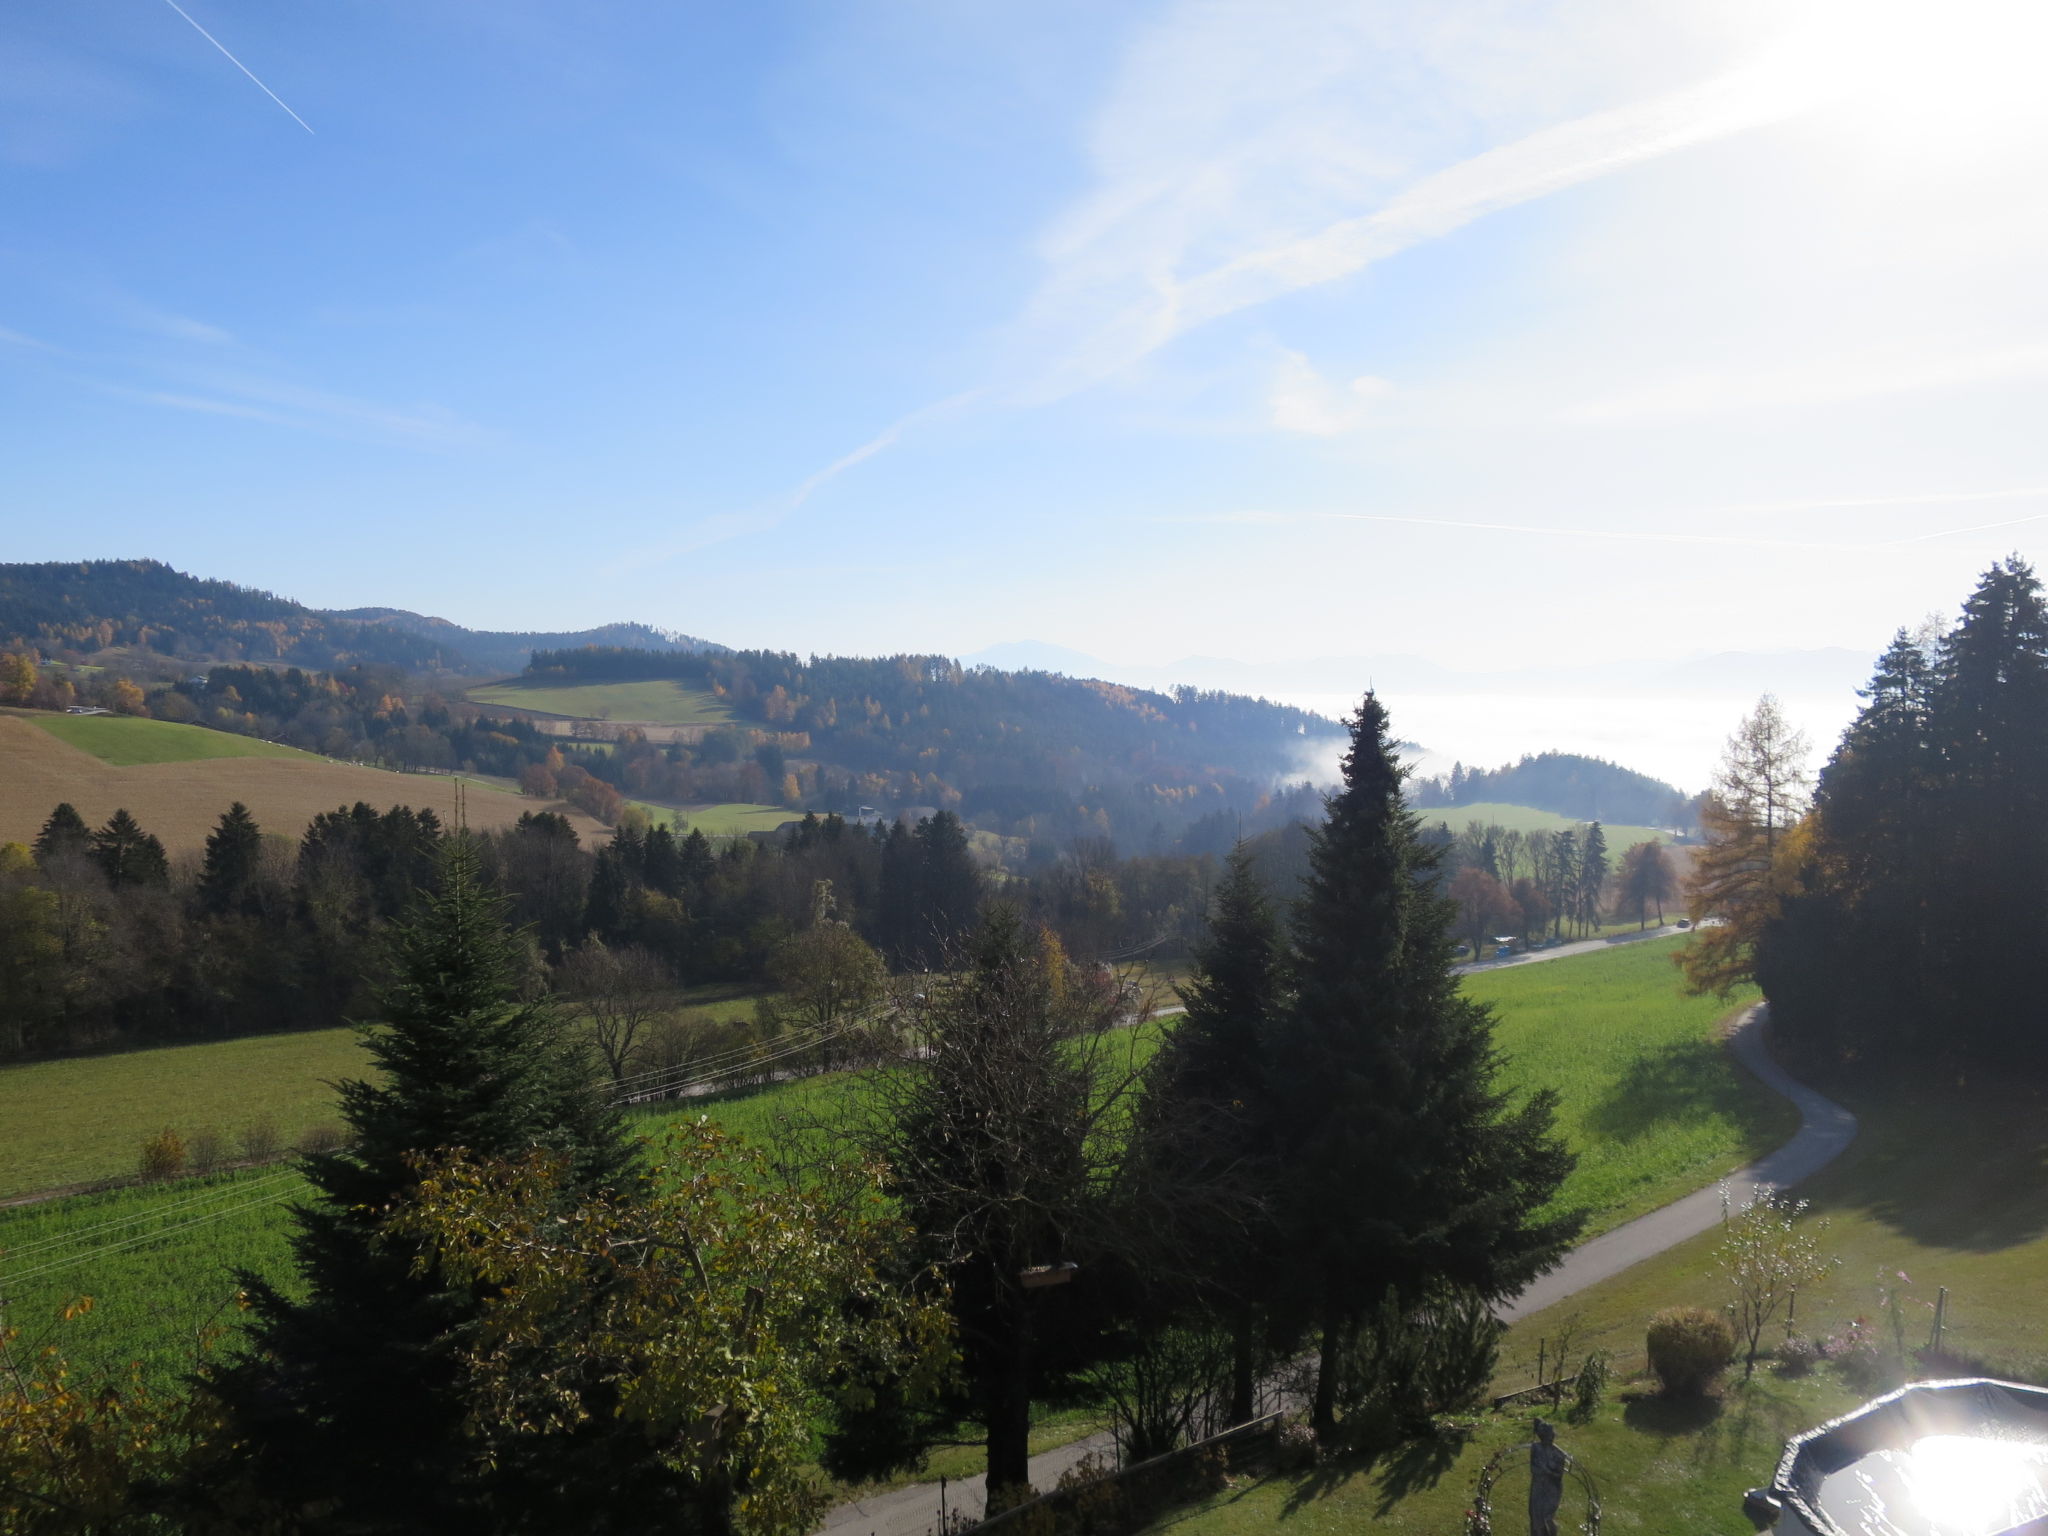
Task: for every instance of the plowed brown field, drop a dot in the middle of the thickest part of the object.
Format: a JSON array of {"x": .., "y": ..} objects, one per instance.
[{"x": 181, "y": 802}]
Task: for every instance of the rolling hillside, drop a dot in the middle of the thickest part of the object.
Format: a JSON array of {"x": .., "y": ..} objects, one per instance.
[
  {"x": 176, "y": 781},
  {"x": 653, "y": 701}
]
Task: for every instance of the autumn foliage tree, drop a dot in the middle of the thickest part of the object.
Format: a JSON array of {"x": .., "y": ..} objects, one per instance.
[
  {"x": 707, "y": 1311},
  {"x": 1738, "y": 875}
]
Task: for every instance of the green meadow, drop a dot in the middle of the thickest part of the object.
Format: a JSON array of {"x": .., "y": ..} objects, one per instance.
[
  {"x": 1525, "y": 818},
  {"x": 655, "y": 701},
  {"x": 82, "y": 1119},
  {"x": 1648, "y": 1100},
  {"x": 124, "y": 742},
  {"x": 732, "y": 819}
]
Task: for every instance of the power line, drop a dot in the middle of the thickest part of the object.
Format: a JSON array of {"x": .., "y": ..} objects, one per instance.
[
  {"x": 107, "y": 1248},
  {"x": 685, "y": 1086},
  {"x": 76, "y": 1234}
]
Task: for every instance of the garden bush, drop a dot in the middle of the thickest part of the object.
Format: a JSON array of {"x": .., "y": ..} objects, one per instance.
[{"x": 1689, "y": 1348}]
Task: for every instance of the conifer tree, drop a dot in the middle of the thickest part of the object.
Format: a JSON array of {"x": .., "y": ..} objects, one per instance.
[
  {"x": 348, "y": 1409},
  {"x": 1592, "y": 876},
  {"x": 64, "y": 836},
  {"x": 1409, "y": 1175},
  {"x": 233, "y": 849},
  {"x": 1204, "y": 1149},
  {"x": 129, "y": 856}
]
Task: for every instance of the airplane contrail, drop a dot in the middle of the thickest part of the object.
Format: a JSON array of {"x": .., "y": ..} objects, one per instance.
[{"x": 245, "y": 69}]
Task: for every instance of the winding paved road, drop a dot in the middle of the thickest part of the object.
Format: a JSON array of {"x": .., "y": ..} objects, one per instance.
[{"x": 1825, "y": 1129}]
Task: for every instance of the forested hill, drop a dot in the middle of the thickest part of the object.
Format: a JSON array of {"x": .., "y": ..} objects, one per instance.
[
  {"x": 88, "y": 606},
  {"x": 496, "y": 650},
  {"x": 1583, "y": 788},
  {"x": 1010, "y": 744}
]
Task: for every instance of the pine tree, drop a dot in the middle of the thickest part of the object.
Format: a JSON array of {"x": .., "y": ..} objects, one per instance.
[
  {"x": 129, "y": 856},
  {"x": 233, "y": 849},
  {"x": 1592, "y": 876},
  {"x": 1204, "y": 1148},
  {"x": 1409, "y": 1176},
  {"x": 64, "y": 836},
  {"x": 347, "y": 1409}
]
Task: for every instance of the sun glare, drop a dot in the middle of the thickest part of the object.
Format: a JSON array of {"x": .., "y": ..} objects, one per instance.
[{"x": 1926, "y": 76}]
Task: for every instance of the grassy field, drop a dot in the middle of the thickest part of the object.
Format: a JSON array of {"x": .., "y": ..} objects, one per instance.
[
  {"x": 82, "y": 1119},
  {"x": 181, "y": 799},
  {"x": 124, "y": 741},
  {"x": 733, "y": 819},
  {"x": 1599, "y": 1028},
  {"x": 158, "y": 1261},
  {"x": 655, "y": 701},
  {"x": 1524, "y": 818},
  {"x": 1650, "y": 1102}
]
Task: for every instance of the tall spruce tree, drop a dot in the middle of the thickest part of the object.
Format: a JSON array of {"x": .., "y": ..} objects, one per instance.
[
  {"x": 1990, "y": 724},
  {"x": 64, "y": 837},
  {"x": 1409, "y": 1174},
  {"x": 129, "y": 856},
  {"x": 1205, "y": 1143},
  {"x": 233, "y": 849},
  {"x": 348, "y": 1407},
  {"x": 1592, "y": 876}
]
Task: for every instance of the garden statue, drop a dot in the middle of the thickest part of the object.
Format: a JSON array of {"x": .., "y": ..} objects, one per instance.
[{"x": 1546, "y": 1480}]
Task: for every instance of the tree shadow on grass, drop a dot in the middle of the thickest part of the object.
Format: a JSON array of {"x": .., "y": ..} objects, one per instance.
[
  {"x": 1669, "y": 1417},
  {"x": 1398, "y": 1471},
  {"x": 1955, "y": 1167},
  {"x": 1678, "y": 1083}
]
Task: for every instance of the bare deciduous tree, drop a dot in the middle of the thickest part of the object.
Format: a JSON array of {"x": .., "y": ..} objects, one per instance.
[{"x": 621, "y": 991}]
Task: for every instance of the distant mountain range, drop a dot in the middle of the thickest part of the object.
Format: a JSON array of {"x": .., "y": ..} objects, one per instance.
[
  {"x": 90, "y": 606},
  {"x": 1830, "y": 670}
]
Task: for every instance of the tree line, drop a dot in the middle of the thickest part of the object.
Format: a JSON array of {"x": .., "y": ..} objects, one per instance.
[
  {"x": 1898, "y": 911},
  {"x": 1585, "y": 788},
  {"x": 1524, "y": 885},
  {"x": 502, "y": 1320},
  {"x": 105, "y": 941}
]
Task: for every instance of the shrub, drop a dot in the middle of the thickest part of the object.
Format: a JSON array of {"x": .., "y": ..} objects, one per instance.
[
  {"x": 323, "y": 1138},
  {"x": 1408, "y": 1364},
  {"x": 163, "y": 1155},
  {"x": 1689, "y": 1347},
  {"x": 1294, "y": 1447},
  {"x": 1589, "y": 1388},
  {"x": 260, "y": 1141},
  {"x": 1798, "y": 1356},
  {"x": 207, "y": 1150}
]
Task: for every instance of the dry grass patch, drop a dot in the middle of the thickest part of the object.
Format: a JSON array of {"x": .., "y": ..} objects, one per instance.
[{"x": 182, "y": 801}]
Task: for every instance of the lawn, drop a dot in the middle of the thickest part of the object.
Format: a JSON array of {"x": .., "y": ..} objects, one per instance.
[
  {"x": 124, "y": 742},
  {"x": 1649, "y": 1100},
  {"x": 654, "y": 701},
  {"x": 733, "y": 819},
  {"x": 1524, "y": 818}
]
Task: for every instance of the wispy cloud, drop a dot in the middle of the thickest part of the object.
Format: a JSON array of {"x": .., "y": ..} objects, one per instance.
[
  {"x": 721, "y": 527},
  {"x": 1168, "y": 241},
  {"x": 1784, "y": 383},
  {"x": 1633, "y": 535},
  {"x": 1302, "y": 400},
  {"x": 279, "y": 404}
]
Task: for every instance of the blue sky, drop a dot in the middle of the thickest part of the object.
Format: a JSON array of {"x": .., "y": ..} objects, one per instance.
[{"x": 1496, "y": 333}]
